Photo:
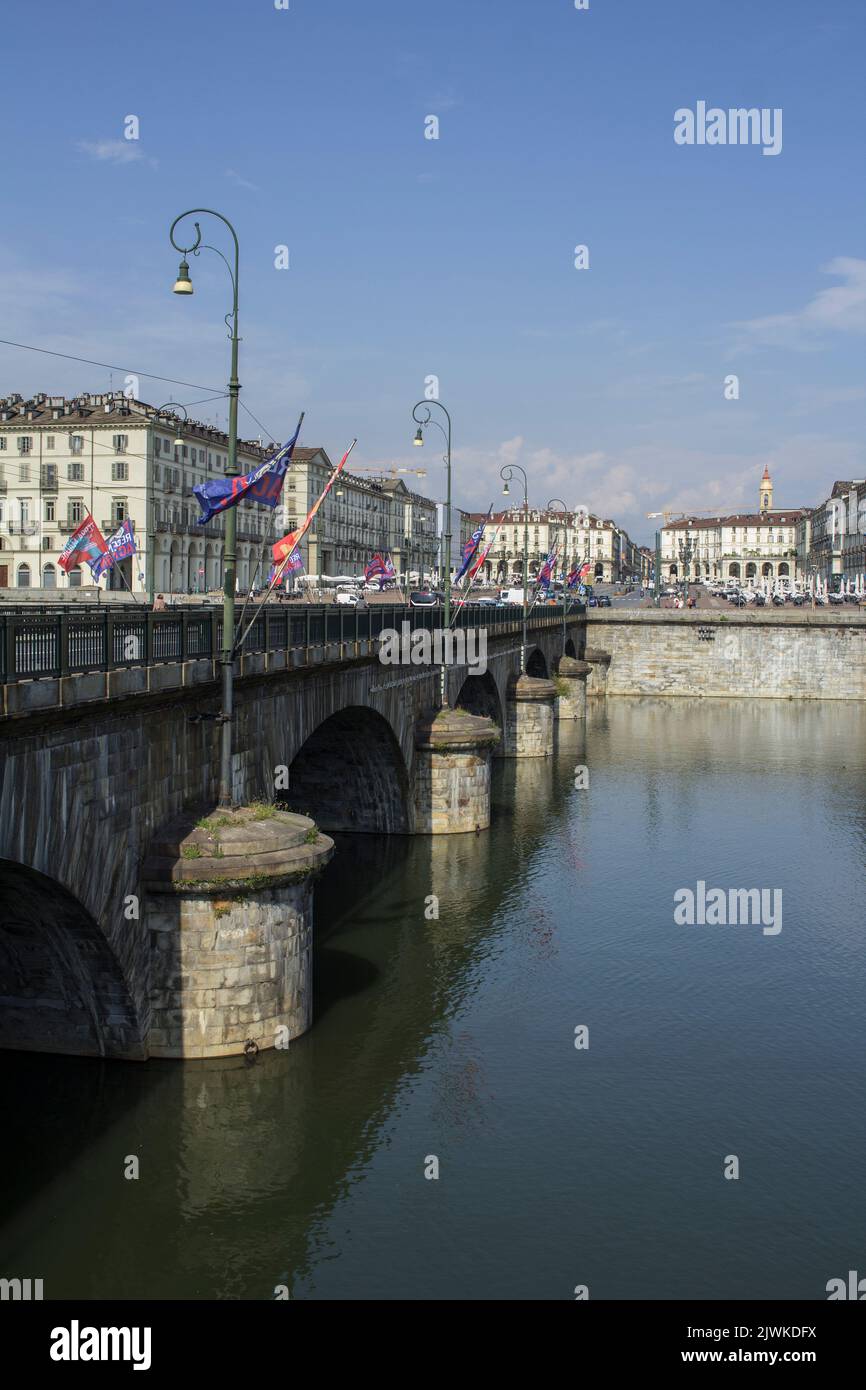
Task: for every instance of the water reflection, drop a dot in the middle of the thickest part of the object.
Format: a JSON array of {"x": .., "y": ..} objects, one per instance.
[{"x": 453, "y": 1036}]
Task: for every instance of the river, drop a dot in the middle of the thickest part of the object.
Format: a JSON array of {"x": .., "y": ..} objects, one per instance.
[{"x": 452, "y": 1041}]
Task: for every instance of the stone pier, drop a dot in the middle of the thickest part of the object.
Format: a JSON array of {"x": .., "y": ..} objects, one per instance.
[
  {"x": 598, "y": 662},
  {"x": 529, "y": 718},
  {"x": 572, "y": 675},
  {"x": 452, "y": 772},
  {"x": 229, "y": 911}
]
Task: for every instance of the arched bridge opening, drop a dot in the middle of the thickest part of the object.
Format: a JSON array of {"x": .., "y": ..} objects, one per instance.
[
  {"x": 61, "y": 988},
  {"x": 479, "y": 695},
  {"x": 536, "y": 664},
  {"x": 350, "y": 775}
]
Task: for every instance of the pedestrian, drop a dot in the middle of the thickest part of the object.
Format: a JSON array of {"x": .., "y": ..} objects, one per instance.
[{"x": 159, "y": 604}]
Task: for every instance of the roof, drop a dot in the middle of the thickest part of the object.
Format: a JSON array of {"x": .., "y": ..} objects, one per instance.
[
  {"x": 111, "y": 409},
  {"x": 781, "y": 516}
]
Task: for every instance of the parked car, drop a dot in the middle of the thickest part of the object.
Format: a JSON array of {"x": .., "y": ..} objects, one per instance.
[
  {"x": 351, "y": 598},
  {"x": 603, "y": 601},
  {"x": 423, "y": 600}
]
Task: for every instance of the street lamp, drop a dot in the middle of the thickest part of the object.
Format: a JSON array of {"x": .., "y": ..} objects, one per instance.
[
  {"x": 418, "y": 441},
  {"x": 558, "y": 502},
  {"x": 183, "y": 285},
  {"x": 174, "y": 406},
  {"x": 686, "y": 550},
  {"x": 507, "y": 473}
]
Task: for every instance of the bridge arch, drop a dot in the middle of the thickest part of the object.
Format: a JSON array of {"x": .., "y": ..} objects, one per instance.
[
  {"x": 570, "y": 649},
  {"x": 350, "y": 774},
  {"x": 536, "y": 663},
  {"x": 480, "y": 695},
  {"x": 61, "y": 987}
]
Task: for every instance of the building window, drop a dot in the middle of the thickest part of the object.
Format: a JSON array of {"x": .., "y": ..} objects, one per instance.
[
  {"x": 25, "y": 444},
  {"x": 76, "y": 443},
  {"x": 119, "y": 470},
  {"x": 24, "y": 510},
  {"x": 24, "y": 473},
  {"x": 156, "y": 472},
  {"x": 49, "y": 577},
  {"x": 23, "y": 577},
  {"x": 75, "y": 511},
  {"x": 50, "y": 506},
  {"x": 75, "y": 472},
  {"x": 2, "y": 441},
  {"x": 118, "y": 509},
  {"x": 75, "y": 578},
  {"x": 120, "y": 441},
  {"x": 49, "y": 441}
]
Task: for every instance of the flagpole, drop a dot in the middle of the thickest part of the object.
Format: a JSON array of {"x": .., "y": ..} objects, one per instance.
[
  {"x": 298, "y": 538},
  {"x": 293, "y": 441}
]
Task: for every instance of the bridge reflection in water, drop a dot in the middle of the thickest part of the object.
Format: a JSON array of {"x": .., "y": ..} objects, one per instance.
[{"x": 454, "y": 1038}]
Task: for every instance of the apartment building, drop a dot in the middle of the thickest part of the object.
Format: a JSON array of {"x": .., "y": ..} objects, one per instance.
[
  {"x": 577, "y": 536},
  {"x": 748, "y": 547},
  {"x": 831, "y": 538},
  {"x": 114, "y": 457},
  {"x": 359, "y": 517}
]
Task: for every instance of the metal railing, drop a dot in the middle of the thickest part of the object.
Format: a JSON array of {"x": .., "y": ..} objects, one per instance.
[{"x": 43, "y": 642}]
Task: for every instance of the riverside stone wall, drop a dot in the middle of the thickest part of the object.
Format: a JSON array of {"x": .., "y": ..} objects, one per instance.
[{"x": 795, "y": 655}]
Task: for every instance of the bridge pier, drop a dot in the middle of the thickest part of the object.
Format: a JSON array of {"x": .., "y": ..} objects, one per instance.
[
  {"x": 529, "y": 718},
  {"x": 572, "y": 676},
  {"x": 452, "y": 772},
  {"x": 598, "y": 662},
  {"x": 230, "y": 916}
]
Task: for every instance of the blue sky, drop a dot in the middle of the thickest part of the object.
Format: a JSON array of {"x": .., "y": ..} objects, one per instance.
[{"x": 412, "y": 257}]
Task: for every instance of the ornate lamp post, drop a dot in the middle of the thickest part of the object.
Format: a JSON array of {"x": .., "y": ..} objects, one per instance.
[
  {"x": 686, "y": 550},
  {"x": 507, "y": 473},
  {"x": 421, "y": 421},
  {"x": 418, "y": 441},
  {"x": 558, "y": 502},
  {"x": 174, "y": 406},
  {"x": 183, "y": 285}
]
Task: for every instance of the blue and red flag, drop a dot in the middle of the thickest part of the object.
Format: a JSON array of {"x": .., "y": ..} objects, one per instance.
[
  {"x": 470, "y": 549},
  {"x": 546, "y": 572},
  {"x": 263, "y": 484},
  {"x": 86, "y": 543},
  {"x": 381, "y": 568},
  {"x": 121, "y": 544},
  {"x": 577, "y": 573}
]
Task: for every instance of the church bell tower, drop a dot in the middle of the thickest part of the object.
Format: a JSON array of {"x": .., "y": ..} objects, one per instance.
[{"x": 766, "y": 491}]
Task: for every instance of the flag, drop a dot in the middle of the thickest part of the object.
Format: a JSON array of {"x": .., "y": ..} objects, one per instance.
[
  {"x": 262, "y": 484},
  {"x": 546, "y": 573},
  {"x": 86, "y": 543},
  {"x": 380, "y": 568},
  {"x": 284, "y": 547},
  {"x": 471, "y": 547},
  {"x": 476, "y": 564},
  {"x": 578, "y": 572},
  {"x": 121, "y": 544},
  {"x": 375, "y": 568}
]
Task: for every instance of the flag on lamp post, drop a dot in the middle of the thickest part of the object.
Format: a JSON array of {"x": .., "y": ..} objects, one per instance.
[
  {"x": 283, "y": 548},
  {"x": 262, "y": 484}
]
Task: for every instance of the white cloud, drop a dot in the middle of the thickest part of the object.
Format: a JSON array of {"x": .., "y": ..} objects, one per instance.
[
  {"x": 838, "y": 309},
  {"x": 242, "y": 182},
  {"x": 115, "y": 152}
]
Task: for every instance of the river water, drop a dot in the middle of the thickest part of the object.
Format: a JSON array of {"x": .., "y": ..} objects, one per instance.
[{"x": 454, "y": 1040}]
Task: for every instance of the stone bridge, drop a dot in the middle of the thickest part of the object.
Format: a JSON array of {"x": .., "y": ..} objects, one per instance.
[{"x": 134, "y": 923}]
